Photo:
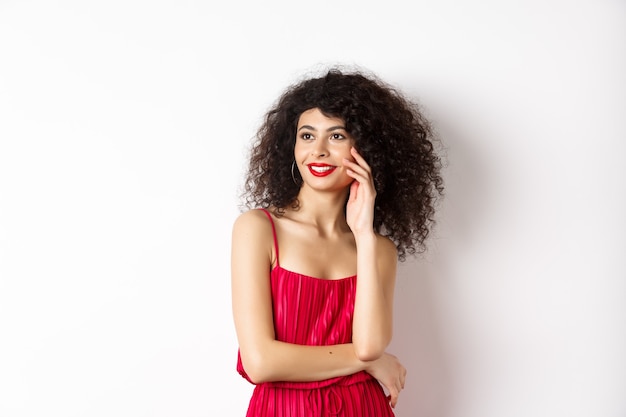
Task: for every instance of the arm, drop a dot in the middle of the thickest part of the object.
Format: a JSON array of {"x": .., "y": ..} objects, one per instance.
[
  {"x": 372, "y": 325},
  {"x": 264, "y": 358},
  {"x": 376, "y": 267}
]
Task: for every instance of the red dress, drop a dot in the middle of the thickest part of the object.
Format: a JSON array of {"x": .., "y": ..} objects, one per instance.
[{"x": 314, "y": 311}]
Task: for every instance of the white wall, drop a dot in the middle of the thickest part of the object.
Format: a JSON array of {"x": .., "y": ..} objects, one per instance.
[{"x": 123, "y": 127}]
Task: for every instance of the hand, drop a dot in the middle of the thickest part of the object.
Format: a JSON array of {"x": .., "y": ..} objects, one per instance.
[
  {"x": 360, "y": 207},
  {"x": 390, "y": 373}
]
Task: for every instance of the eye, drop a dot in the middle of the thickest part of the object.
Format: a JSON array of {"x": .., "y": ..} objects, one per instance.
[
  {"x": 306, "y": 136},
  {"x": 337, "y": 136}
]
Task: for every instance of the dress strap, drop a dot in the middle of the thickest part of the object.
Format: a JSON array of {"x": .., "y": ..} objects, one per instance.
[{"x": 269, "y": 216}]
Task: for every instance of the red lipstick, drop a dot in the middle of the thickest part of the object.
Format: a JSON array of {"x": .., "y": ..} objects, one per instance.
[{"x": 321, "y": 170}]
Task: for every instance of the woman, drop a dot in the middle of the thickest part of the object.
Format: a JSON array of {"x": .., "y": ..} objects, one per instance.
[{"x": 341, "y": 184}]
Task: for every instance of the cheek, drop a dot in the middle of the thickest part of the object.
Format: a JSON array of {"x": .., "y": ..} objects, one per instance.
[
  {"x": 348, "y": 148},
  {"x": 299, "y": 153},
  {"x": 348, "y": 155},
  {"x": 297, "y": 150}
]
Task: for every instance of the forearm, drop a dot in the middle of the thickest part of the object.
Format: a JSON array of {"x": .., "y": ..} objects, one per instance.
[
  {"x": 373, "y": 322},
  {"x": 279, "y": 361}
]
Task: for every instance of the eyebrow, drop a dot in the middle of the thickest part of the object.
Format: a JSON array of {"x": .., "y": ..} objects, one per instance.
[{"x": 330, "y": 129}]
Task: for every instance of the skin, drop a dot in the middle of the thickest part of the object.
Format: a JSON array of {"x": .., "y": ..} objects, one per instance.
[{"x": 323, "y": 238}]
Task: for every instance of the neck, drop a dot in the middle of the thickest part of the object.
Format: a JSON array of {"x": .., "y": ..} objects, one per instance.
[{"x": 324, "y": 209}]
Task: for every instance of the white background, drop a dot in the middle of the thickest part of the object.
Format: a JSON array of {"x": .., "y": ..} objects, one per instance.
[{"x": 124, "y": 126}]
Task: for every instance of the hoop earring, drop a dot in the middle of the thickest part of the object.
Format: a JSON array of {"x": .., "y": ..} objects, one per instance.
[{"x": 293, "y": 176}]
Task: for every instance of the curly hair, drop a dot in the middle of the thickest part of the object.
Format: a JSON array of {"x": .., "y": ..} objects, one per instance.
[{"x": 390, "y": 132}]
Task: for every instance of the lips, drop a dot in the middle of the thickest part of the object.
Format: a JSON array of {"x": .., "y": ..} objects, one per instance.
[{"x": 321, "y": 170}]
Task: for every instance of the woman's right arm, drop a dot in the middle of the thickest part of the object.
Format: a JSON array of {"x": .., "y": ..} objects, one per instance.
[{"x": 264, "y": 358}]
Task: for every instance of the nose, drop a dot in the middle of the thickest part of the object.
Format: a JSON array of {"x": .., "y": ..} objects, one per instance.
[{"x": 319, "y": 150}]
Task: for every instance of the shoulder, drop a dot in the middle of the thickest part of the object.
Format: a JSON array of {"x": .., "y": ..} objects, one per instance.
[
  {"x": 252, "y": 237},
  {"x": 251, "y": 217},
  {"x": 386, "y": 247},
  {"x": 251, "y": 222},
  {"x": 387, "y": 252}
]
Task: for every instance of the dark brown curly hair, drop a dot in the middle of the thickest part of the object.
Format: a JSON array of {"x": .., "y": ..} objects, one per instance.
[{"x": 390, "y": 132}]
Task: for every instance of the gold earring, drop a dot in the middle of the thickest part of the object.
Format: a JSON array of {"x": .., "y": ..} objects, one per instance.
[{"x": 293, "y": 175}]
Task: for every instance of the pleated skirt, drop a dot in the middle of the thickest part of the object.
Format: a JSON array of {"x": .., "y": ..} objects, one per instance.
[{"x": 362, "y": 399}]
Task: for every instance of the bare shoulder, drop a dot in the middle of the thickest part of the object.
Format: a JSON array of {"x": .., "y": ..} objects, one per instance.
[
  {"x": 251, "y": 220},
  {"x": 386, "y": 247},
  {"x": 252, "y": 235},
  {"x": 387, "y": 253}
]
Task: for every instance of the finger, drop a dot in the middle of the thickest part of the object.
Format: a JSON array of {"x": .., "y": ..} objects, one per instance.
[
  {"x": 354, "y": 170},
  {"x": 359, "y": 159},
  {"x": 394, "y": 398},
  {"x": 355, "y": 167},
  {"x": 368, "y": 183},
  {"x": 354, "y": 187},
  {"x": 359, "y": 174},
  {"x": 398, "y": 385}
]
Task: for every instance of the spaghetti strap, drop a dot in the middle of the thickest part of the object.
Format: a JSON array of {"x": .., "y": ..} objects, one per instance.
[{"x": 269, "y": 216}]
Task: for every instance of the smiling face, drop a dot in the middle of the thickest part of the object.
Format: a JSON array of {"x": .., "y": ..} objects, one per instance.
[{"x": 321, "y": 144}]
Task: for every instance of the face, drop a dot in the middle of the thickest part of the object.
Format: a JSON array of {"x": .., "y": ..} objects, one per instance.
[{"x": 321, "y": 144}]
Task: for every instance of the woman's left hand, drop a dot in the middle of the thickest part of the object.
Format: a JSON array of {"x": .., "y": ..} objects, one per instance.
[{"x": 360, "y": 207}]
